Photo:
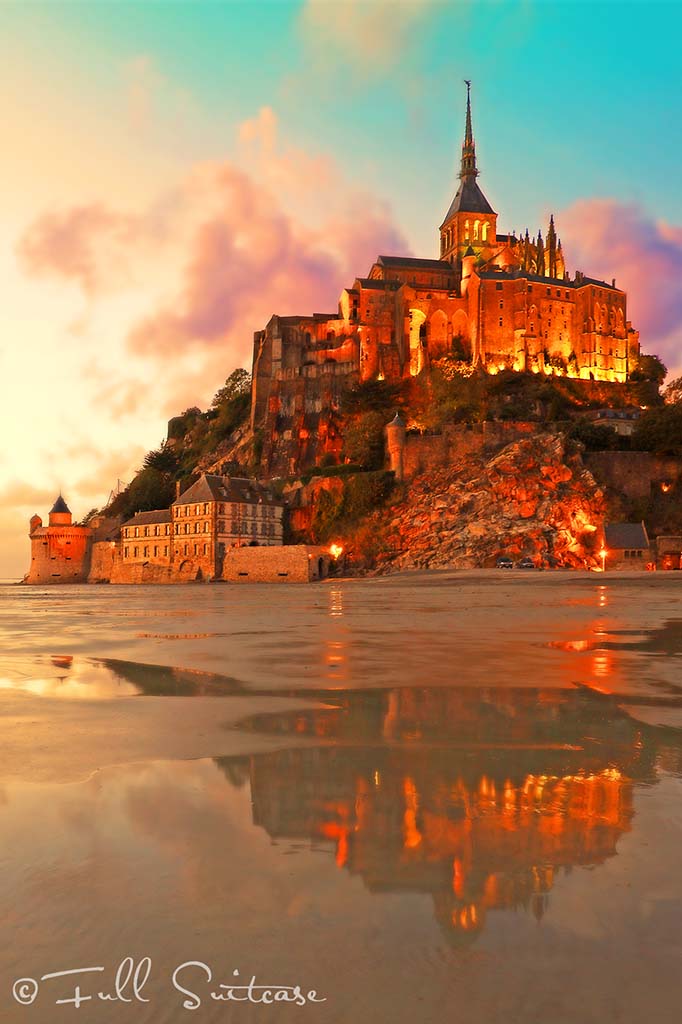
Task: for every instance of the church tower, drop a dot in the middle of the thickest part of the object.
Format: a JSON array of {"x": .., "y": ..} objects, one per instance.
[{"x": 471, "y": 220}]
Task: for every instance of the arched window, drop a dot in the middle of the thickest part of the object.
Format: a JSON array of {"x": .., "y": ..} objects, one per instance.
[
  {"x": 477, "y": 225},
  {"x": 484, "y": 232},
  {"x": 466, "y": 230}
]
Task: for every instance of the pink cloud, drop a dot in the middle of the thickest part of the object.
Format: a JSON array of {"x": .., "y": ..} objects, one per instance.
[
  {"x": 604, "y": 239},
  {"x": 85, "y": 244},
  {"x": 251, "y": 258}
]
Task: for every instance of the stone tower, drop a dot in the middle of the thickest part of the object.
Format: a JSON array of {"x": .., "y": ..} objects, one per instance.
[
  {"x": 395, "y": 443},
  {"x": 60, "y": 552},
  {"x": 471, "y": 220}
]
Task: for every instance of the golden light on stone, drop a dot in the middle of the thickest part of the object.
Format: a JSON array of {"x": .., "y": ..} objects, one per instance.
[{"x": 335, "y": 550}]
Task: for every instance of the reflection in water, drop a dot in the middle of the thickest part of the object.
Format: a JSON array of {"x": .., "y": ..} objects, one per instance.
[{"x": 478, "y": 798}]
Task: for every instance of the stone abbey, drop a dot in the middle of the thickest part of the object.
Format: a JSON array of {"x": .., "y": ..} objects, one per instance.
[{"x": 491, "y": 300}]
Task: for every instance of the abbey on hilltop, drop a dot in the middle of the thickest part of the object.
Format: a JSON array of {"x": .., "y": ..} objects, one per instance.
[{"x": 492, "y": 300}]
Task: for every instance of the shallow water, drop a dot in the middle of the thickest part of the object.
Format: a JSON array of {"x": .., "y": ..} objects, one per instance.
[{"x": 447, "y": 799}]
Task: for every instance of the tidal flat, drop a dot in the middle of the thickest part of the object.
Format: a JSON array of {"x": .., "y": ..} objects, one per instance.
[{"x": 436, "y": 796}]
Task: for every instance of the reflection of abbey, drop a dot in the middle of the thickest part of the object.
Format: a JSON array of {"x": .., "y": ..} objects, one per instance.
[{"x": 490, "y": 299}]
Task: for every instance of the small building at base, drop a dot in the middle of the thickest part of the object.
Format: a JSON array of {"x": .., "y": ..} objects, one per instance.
[
  {"x": 291, "y": 563},
  {"x": 627, "y": 546}
]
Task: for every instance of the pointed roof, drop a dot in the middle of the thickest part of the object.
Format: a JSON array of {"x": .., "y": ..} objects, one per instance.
[
  {"x": 60, "y": 506},
  {"x": 469, "y": 197}
]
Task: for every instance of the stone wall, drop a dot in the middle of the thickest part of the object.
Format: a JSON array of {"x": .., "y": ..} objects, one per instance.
[
  {"x": 633, "y": 473},
  {"x": 104, "y": 556},
  {"x": 296, "y": 563},
  {"x": 427, "y": 452}
]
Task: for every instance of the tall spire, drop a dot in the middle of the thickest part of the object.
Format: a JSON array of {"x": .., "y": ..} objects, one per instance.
[{"x": 469, "y": 169}]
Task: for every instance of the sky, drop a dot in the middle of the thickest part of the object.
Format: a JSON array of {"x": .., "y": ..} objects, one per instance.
[{"x": 175, "y": 173}]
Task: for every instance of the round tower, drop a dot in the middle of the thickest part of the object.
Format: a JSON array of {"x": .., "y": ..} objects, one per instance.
[{"x": 395, "y": 443}]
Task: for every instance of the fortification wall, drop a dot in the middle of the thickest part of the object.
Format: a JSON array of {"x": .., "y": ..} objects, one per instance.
[
  {"x": 427, "y": 452},
  {"x": 633, "y": 474},
  {"x": 104, "y": 555},
  {"x": 296, "y": 563}
]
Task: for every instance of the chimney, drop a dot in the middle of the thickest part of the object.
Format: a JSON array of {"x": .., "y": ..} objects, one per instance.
[{"x": 177, "y": 489}]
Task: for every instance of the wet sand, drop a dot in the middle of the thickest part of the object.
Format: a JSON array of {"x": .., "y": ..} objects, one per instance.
[{"x": 435, "y": 796}]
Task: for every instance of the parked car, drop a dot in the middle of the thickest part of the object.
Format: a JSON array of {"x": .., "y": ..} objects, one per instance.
[
  {"x": 503, "y": 562},
  {"x": 525, "y": 563}
]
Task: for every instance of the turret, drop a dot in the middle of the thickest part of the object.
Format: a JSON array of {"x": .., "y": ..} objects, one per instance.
[
  {"x": 60, "y": 513},
  {"x": 395, "y": 443}
]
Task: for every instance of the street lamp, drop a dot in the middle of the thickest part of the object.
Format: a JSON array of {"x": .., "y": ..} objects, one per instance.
[{"x": 602, "y": 554}]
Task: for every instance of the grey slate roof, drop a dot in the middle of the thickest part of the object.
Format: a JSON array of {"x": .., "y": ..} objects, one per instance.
[
  {"x": 60, "y": 506},
  {"x": 626, "y": 535},
  {"x": 211, "y": 487},
  {"x": 468, "y": 199},
  {"x": 158, "y": 515},
  {"x": 412, "y": 261},
  {"x": 379, "y": 284}
]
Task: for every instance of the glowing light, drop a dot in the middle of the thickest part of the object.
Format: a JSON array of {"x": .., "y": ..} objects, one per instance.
[
  {"x": 602, "y": 554},
  {"x": 665, "y": 486},
  {"x": 335, "y": 550}
]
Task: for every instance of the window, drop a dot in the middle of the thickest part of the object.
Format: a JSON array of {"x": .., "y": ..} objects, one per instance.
[
  {"x": 221, "y": 526},
  {"x": 156, "y": 551},
  {"x": 530, "y": 288},
  {"x": 205, "y": 525},
  {"x": 137, "y": 531},
  {"x": 145, "y": 552},
  {"x": 549, "y": 291},
  {"x": 196, "y": 549},
  {"x": 498, "y": 286},
  {"x": 125, "y": 552},
  {"x": 235, "y": 526},
  {"x": 186, "y": 549},
  {"x": 500, "y": 321},
  {"x": 146, "y": 531},
  {"x": 205, "y": 548},
  {"x": 501, "y": 305},
  {"x": 134, "y": 552},
  {"x": 196, "y": 526},
  {"x": 165, "y": 550}
]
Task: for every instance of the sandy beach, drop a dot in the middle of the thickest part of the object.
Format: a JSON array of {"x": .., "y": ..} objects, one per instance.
[{"x": 467, "y": 782}]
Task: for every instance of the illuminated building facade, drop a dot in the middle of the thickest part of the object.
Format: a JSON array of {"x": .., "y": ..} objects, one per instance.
[{"x": 490, "y": 299}]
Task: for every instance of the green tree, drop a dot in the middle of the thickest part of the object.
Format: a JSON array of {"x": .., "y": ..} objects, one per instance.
[
  {"x": 650, "y": 368},
  {"x": 673, "y": 392},
  {"x": 364, "y": 440},
  {"x": 659, "y": 430},
  {"x": 164, "y": 459},
  {"x": 236, "y": 385}
]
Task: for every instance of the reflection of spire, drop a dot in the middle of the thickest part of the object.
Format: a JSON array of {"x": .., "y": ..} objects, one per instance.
[{"x": 469, "y": 169}]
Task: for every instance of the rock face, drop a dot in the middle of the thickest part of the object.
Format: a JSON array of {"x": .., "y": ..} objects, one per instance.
[{"x": 534, "y": 497}]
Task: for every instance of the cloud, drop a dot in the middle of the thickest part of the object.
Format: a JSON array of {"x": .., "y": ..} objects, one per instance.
[
  {"x": 370, "y": 34},
  {"x": 22, "y": 495},
  {"x": 605, "y": 238},
  {"x": 86, "y": 244},
  {"x": 209, "y": 258}
]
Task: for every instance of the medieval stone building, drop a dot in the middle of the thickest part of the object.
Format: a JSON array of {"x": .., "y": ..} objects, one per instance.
[
  {"x": 492, "y": 300},
  {"x": 60, "y": 551}
]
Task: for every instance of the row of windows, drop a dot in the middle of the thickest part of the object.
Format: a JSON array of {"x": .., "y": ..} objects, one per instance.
[
  {"x": 147, "y": 531},
  {"x": 246, "y": 508},
  {"x": 146, "y": 551}
]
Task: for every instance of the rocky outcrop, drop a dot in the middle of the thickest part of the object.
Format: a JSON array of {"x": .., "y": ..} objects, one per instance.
[{"x": 534, "y": 497}]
